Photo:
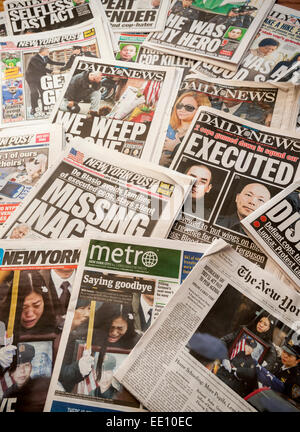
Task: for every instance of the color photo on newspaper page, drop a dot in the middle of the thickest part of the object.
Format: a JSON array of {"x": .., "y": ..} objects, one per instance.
[{"x": 35, "y": 287}]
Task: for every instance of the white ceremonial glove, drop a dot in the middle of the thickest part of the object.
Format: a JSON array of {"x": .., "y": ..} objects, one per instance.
[
  {"x": 85, "y": 363},
  {"x": 6, "y": 355},
  {"x": 227, "y": 365}
]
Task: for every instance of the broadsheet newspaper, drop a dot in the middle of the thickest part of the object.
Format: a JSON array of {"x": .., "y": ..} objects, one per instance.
[
  {"x": 274, "y": 50},
  {"x": 25, "y": 154},
  {"x": 275, "y": 227},
  {"x": 34, "y": 16},
  {"x": 35, "y": 285},
  {"x": 181, "y": 364},
  {"x": 104, "y": 190},
  {"x": 34, "y": 68},
  {"x": 125, "y": 283},
  {"x": 136, "y": 15},
  {"x": 119, "y": 105},
  {"x": 266, "y": 104},
  {"x": 206, "y": 30},
  {"x": 238, "y": 166}
]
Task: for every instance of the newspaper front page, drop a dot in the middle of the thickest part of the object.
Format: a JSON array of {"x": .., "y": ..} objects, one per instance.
[
  {"x": 34, "y": 68},
  {"x": 265, "y": 104},
  {"x": 226, "y": 341},
  {"x": 274, "y": 50},
  {"x": 35, "y": 285},
  {"x": 275, "y": 228},
  {"x": 119, "y": 105},
  {"x": 125, "y": 282},
  {"x": 215, "y": 31},
  {"x": 136, "y": 15},
  {"x": 104, "y": 190},
  {"x": 238, "y": 166},
  {"x": 25, "y": 154}
]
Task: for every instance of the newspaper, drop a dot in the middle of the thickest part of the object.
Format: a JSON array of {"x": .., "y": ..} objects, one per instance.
[
  {"x": 32, "y": 315},
  {"x": 25, "y": 154},
  {"x": 216, "y": 31},
  {"x": 91, "y": 188},
  {"x": 238, "y": 166},
  {"x": 125, "y": 281},
  {"x": 3, "y": 29},
  {"x": 274, "y": 49},
  {"x": 136, "y": 15},
  {"x": 34, "y": 68},
  {"x": 35, "y": 16},
  {"x": 265, "y": 104},
  {"x": 181, "y": 364},
  {"x": 119, "y": 105},
  {"x": 275, "y": 228}
]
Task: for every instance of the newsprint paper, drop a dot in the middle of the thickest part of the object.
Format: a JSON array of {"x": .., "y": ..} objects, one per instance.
[
  {"x": 238, "y": 166},
  {"x": 35, "y": 285},
  {"x": 262, "y": 103},
  {"x": 205, "y": 30},
  {"x": 25, "y": 154},
  {"x": 119, "y": 105},
  {"x": 136, "y": 15},
  {"x": 125, "y": 282},
  {"x": 222, "y": 343},
  {"x": 100, "y": 189},
  {"x": 275, "y": 228},
  {"x": 34, "y": 68}
]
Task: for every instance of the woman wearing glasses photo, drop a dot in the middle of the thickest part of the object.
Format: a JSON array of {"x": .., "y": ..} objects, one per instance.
[{"x": 182, "y": 115}]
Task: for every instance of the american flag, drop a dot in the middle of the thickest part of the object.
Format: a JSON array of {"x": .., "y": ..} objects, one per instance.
[
  {"x": 151, "y": 92},
  {"x": 240, "y": 346},
  {"x": 88, "y": 384},
  {"x": 5, "y": 383},
  {"x": 76, "y": 156}
]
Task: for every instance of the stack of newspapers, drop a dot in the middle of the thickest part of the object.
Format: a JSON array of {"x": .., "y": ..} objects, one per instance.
[{"x": 149, "y": 206}]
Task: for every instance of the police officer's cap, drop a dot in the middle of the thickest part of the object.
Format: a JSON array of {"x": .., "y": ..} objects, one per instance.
[
  {"x": 26, "y": 352},
  {"x": 291, "y": 348},
  {"x": 76, "y": 47},
  {"x": 251, "y": 342},
  {"x": 208, "y": 346}
]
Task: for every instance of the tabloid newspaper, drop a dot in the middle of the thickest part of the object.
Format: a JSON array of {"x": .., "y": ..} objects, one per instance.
[
  {"x": 32, "y": 316},
  {"x": 104, "y": 190},
  {"x": 273, "y": 51},
  {"x": 222, "y": 342},
  {"x": 265, "y": 104},
  {"x": 3, "y": 27},
  {"x": 206, "y": 30},
  {"x": 119, "y": 105},
  {"x": 35, "y": 16},
  {"x": 125, "y": 282},
  {"x": 136, "y": 15},
  {"x": 25, "y": 154},
  {"x": 34, "y": 68},
  {"x": 238, "y": 166},
  {"x": 275, "y": 228}
]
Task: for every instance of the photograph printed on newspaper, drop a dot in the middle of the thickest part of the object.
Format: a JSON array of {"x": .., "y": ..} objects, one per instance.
[
  {"x": 25, "y": 155},
  {"x": 136, "y": 15},
  {"x": 265, "y": 104},
  {"x": 106, "y": 191},
  {"x": 238, "y": 166},
  {"x": 122, "y": 106},
  {"x": 124, "y": 283},
  {"x": 275, "y": 228},
  {"x": 3, "y": 27},
  {"x": 227, "y": 341},
  {"x": 36, "y": 282},
  {"x": 34, "y": 69},
  {"x": 207, "y": 30}
]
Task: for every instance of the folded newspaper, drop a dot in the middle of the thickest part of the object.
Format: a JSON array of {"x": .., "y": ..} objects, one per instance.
[
  {"x": 275, "y": 228},
  {"x": 25, "y": 154},
  {"x": 100, "y": 189},
  {"x": 35, "y": 285},
  {"x": 217, "y": 31},
  {"x": 126, "y": 282},
  {"x": 264, "y": 103},
  {"x": 34, "y": 68},
  {"x": 119, "y": 105},
  {"x": 238, "y": 166},
  {"x": 228, "y": 340},
  {"x": 136, "y": 15}
]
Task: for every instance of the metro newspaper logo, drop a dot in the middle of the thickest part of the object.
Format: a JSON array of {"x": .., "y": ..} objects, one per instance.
[{"x": 133, "y": 258}]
